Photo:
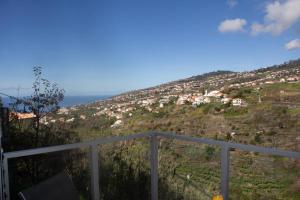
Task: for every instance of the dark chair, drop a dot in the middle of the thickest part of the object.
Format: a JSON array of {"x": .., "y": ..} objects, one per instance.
[{"x": 58, "y": 187}]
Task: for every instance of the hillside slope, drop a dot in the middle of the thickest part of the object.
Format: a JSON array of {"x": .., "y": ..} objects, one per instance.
[{"x": 263, "y": 109}]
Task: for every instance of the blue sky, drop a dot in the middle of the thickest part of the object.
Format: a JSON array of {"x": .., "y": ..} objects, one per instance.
[{"x": 107, "y": 47}]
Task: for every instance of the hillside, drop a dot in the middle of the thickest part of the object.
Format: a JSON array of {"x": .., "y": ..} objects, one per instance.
[
  {"x": 218, "y": 80},
  {"x": 218, "y": 103},
  {"x": 260, "y": 107}
]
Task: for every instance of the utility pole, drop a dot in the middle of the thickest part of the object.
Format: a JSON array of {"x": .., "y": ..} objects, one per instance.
[
  {"x": 281, "y": 95},
  {"x": 259, "y": 96},
  {"x": 18, "y": 89}
]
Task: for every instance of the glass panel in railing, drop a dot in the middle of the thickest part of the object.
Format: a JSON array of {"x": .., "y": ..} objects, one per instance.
[
  {"x": 188, "y": 170},
  {"x": 256, "y": 176},
  {"x": 125, "y": 170},
  {"x": 32, "y": 171}
]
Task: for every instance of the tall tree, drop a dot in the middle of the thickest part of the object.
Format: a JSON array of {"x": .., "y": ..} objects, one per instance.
[
  {"x": 32, "y": 133},
  {"x": 44, "y": 100}
]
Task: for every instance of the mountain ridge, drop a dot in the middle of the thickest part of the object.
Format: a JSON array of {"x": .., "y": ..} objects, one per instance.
[{"x": 236, "y": 77}]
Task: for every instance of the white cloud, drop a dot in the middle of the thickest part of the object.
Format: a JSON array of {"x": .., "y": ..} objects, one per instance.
[
  {"x": 293, "y": 44},
  {"x": 232, "y": 25},
  {"x": 232, "y": 3},
  {"x": 280, "y": 16}
]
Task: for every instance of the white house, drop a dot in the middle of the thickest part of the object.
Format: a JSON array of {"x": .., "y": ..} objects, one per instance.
[
  {"x": 147, "y": 102},
  {"x": 70, "y": 120},
  {"x": 206, "y": 100},
  {"x": 214, "y": 93},
  {"x": 239, "y": 102},
  {"x": 63, "y": 111},
  {"x": 117, "y": 123},
  {"x": 182, "y": 99},
  {"x": 292, "y": 79},
  {"x": 269, "y": 82},
  {"x": 282, "y": 80},
  {"x": 226, "y": 100},
  {"x": 163, "y": 101},
  {"x": 201, "y": 100}
]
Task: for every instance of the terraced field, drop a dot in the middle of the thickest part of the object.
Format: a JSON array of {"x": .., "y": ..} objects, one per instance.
[{"x": 252, "y": 176}]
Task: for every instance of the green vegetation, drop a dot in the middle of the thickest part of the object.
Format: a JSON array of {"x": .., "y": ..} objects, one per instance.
[
  {"x": 186, "y": 171},
  {"x": 192, "y": 172},
  {"x": 254, "y": 176}
]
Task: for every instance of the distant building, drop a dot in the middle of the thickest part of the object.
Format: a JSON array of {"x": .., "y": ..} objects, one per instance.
[
  {"x": 149, "y": 108},
  {"x": 269, "y": 82},
  {"x": 163, "y": 101},
  {"x": 74, "y": 108},
  {"x": 44, "y": 120},
  {"x": 292, "y": 79},
  {"x": 70, "y": 120},
  {"x": 147, "y": 102},
  {"x": 214, "y": 93},
  {"x": 22, "y": 115},
  {"x": 239, "y": 102},
  {"x": 182, "y": 99},
  {"x": 116, "y": 124},
  {"x": 282, "y": 80},
  {"x": 201, "y": 100},
  {"x": 63, "y": 111},
  {"x": 206, "y": 100},
  {"x": 226, "y": 100}
]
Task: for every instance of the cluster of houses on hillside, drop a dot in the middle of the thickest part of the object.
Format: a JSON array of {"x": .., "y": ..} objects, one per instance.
[
  {"x": 152, "y": 104},
  {"x": 180, "y": 92},
  {"x": 214, "y": 96},
  {"x": 161, "y": 95},
  {"x": 232, "y": 80}
]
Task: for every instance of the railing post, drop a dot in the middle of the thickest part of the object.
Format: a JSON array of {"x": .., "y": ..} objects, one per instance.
[
  {"x": 1, "y": 176},
  {"x": 94, "y": 164},
  {"x": 225, "y": 157},
  {"x": 154, "y": 166},
  {"x": 6, "y": 179}
]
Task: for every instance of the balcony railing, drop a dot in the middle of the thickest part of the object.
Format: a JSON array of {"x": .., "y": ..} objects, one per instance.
[{"x": 94, "y": 158}]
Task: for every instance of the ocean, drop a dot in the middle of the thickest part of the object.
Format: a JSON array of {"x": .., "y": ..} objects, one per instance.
[{"x": 70, "y": 100}]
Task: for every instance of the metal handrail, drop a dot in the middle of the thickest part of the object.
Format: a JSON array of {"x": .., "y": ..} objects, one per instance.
[
  {"x": 65, "y": 147},
  {"x": 92, "y": 144},
  {"x": 94, "y": 157},
  {"x": 244, "y": 147}
]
